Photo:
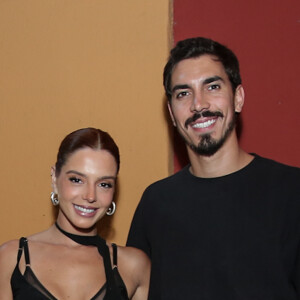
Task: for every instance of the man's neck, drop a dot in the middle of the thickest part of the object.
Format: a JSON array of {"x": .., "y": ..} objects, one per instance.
[{"x": 228, "y": 159}]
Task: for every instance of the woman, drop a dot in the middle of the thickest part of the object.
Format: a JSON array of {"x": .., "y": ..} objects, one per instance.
[{"x": 69, "y": 260}]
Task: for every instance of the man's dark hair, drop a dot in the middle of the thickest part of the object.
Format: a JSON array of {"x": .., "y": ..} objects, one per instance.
[{"x": 195, "y": 47}]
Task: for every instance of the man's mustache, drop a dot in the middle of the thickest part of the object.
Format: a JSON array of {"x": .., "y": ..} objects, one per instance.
[{"x": 204, "y": 114}]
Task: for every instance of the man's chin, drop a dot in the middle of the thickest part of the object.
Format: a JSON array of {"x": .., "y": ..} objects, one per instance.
[{"x": 205, "y": 151}]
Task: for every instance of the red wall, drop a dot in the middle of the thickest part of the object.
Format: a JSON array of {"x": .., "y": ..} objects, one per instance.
[{"x": 265, "y": 35}]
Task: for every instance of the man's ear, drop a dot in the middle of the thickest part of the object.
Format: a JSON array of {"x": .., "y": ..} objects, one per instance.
[
  {"x": 239, "y": 99},
  {"x": 53, "y": 179},
  {"x": 171, "y": 114}
]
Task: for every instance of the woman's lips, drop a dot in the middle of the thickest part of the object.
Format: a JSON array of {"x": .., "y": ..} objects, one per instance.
[{"x": 85, "y": 211}]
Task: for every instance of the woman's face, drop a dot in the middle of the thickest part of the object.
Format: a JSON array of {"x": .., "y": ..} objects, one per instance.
[{"x": 85, "y": 188}]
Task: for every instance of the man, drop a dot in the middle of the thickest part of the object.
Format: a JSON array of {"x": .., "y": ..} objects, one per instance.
[{"x": 227, "y": 226}]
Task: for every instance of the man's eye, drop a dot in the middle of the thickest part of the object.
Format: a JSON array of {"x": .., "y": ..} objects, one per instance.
[
  {"x": 75, "y": 180},
  {"x": 182, "y": 94},
  {"x": 214, "y": 87}
]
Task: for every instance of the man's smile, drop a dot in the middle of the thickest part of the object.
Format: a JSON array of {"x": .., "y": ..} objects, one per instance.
[
  {"x": 204, "y": 124},
  {"x": 210, "y": 118}
]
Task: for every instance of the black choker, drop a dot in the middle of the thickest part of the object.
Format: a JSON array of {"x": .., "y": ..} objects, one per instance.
[
  {"x": 112, "y": 288},
  {"x": 96, "y": 241},
  {"x": 87, "y": 240}
]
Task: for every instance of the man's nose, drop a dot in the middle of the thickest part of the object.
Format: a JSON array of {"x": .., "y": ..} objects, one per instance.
[{"x": 199, "y": 103}]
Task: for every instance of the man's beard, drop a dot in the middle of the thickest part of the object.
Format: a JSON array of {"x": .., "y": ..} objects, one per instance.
[{"x": 207, "y": 145}]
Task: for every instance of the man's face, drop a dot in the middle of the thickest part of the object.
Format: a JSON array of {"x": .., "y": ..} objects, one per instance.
[{"x": 203, "y": 105}]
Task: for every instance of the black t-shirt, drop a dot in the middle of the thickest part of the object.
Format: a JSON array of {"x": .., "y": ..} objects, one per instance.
[{"x": 231, "y": 237}]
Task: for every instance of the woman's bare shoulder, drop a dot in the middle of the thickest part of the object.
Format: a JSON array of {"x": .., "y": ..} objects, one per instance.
[
  {"x": 8, "y": 247},
  {"x": 8, "y": 261},
  {"x": 134, "y": 266},
  {"x": 132, "y": 253},
  {"x": 132, "y": 258},
  {"x": 8, "y": 254}
]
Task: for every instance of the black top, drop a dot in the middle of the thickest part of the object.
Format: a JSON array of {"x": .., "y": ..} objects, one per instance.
[
  {"x": 235, "y": 237},
  {"x": 28, "y": 287}
]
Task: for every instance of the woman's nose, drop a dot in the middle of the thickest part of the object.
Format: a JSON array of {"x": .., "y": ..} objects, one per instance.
[{"x": 90, "y": 194}]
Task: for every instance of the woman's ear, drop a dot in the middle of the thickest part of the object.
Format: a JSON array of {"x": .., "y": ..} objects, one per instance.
[{"x": 239, "y": 98}]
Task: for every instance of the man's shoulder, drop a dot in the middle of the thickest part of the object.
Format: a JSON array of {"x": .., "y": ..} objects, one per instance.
[
  {"x": 171, "y": 180},
  {"x": 276, "y": 173},
  {"x": 166, "y": 187},
  {"x": 273, "y": 165}
]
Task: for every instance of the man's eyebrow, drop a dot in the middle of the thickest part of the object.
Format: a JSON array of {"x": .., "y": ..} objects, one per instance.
[
  {"x": 206, "y": 81},
  {"x": 212, "y": 79},
  {"x": 180, "y": 87}
]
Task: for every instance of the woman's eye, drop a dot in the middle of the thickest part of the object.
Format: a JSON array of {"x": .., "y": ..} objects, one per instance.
[
  {"x": 106, "y": 185},
  {"x": 75, "y": 180}
]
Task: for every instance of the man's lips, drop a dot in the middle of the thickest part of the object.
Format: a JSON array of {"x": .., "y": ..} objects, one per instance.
[{"x": 205, "y": 123}]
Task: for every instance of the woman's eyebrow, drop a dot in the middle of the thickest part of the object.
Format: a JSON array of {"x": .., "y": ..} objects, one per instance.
[
  {"x": 83, "y": 175},
  {"x": 75, "y": 172}
]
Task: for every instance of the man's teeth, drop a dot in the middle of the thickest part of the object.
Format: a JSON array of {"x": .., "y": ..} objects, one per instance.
[
  {"x": 204, "y": 124},
  {"x": 85, "y": 210}
]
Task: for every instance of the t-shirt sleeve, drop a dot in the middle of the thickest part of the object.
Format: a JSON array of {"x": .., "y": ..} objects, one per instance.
[
  {"x": 297, "y": 275},
  {"x": 137, "y": 236},
  {"x": 296, "y": 271},
  {"x": 141, "y": 235},
  {"x": 291, "y": 248}
]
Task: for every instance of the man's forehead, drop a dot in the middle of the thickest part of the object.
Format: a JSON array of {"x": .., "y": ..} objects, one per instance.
[{"x": 201, "y": 68}]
